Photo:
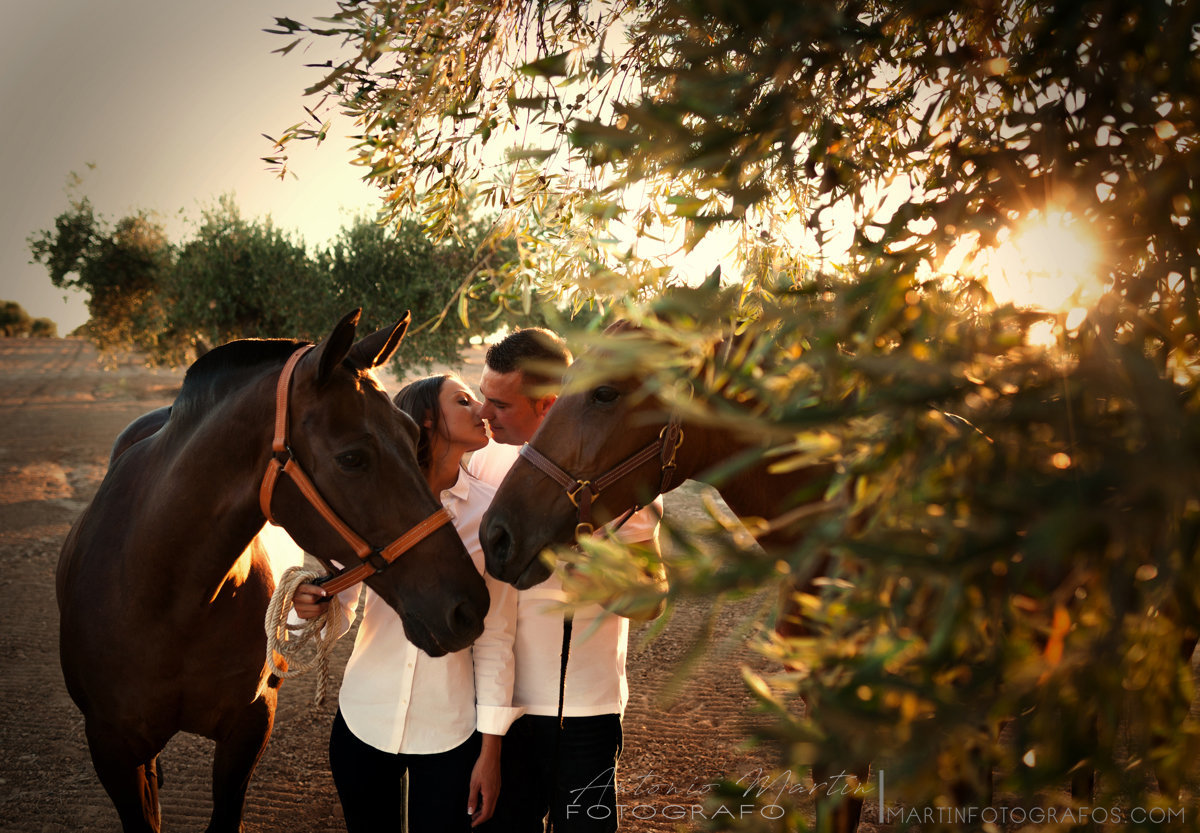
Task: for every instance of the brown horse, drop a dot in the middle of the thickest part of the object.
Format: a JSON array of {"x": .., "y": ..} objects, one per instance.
[
  {"x": 608, "y": 444},
  {"x": 622, "y": 446},
  {"x": 162, "y": 590}
]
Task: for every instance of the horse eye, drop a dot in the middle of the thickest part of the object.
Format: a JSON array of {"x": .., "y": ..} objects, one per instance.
[
  {"x": 605, "y": 395},
  {"x": 352, "y": 460}
]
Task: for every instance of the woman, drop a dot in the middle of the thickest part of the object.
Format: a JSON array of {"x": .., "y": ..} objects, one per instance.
[{"x": 400, "y": 711}]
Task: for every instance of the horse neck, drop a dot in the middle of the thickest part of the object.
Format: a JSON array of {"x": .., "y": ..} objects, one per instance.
[
  {"x": 214, "y": 463},
  {"x": 752, "y": 490}
]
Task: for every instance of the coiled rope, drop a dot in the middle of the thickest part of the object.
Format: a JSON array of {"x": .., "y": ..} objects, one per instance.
[{"x": 286, "y": 642}]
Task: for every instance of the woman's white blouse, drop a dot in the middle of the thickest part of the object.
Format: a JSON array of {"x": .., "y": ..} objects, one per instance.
[{"x": 396, "y": 697}]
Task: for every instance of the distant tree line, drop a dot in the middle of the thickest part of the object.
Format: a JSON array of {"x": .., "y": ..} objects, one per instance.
[
  {"x": 242, "y": 278},
  {"x": 15, "y": 321}
]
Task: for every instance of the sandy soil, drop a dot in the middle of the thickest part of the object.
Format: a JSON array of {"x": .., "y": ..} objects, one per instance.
[{"x": 59, "y": 413}]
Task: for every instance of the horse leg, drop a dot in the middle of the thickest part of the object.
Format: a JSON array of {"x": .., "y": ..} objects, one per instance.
[
  {"x": 130, "y": 780},
  {"x": 238, "y": 751}
]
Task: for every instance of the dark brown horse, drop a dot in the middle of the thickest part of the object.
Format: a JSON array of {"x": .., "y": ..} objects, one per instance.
[
  {"x": 162, "y": 593},
  {"x": 609, "y": 444}
]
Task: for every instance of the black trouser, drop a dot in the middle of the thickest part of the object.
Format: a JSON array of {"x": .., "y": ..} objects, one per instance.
[
  {"x": 370, "y": 784},
  {"x": 569, "y": 774}
]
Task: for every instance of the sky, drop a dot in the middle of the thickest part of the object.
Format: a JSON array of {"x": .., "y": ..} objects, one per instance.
[
  {"x": 160, "y": 105},
  {"x": 168, "y": 100}
]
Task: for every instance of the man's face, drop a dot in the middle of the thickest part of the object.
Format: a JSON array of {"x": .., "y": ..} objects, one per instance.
[{"x": 512, "y": 415}]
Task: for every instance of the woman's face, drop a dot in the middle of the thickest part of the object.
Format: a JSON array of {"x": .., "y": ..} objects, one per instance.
[{"x": 461, "y": 423}]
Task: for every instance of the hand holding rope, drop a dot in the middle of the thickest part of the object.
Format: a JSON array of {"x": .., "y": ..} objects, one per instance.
[{"x": 287, "y": 643}]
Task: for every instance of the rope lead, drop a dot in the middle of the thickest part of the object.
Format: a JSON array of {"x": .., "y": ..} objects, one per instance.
[{"x": 285, "y": 643}]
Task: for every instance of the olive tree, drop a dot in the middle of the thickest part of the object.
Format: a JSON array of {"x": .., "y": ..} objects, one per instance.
[
  {"x": 241, "y": 278},
  {"x": 120, "y": 266},
  {"x": 1018, "y": 537},
  {"x": 386, "y": 267},
  {"x": 43, "y": 328},
  {"x": 14, "y": 320}
]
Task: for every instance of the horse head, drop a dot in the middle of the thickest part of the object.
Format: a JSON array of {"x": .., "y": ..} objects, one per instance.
[
  {"x": 609, "y": 443},
  {"x": 359, "y": 452}
]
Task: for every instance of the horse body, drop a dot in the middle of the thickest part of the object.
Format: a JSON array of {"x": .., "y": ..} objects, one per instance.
[
  {"x": 152, "y": 556},
  {"x": 162, "y": 585}
]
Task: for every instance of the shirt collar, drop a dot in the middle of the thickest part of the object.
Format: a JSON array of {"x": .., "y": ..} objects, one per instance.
[{"x": 461, "y": 489}]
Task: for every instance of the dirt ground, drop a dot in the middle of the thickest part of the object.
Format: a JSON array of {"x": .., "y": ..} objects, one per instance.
[{"x": 59, "y": 413}]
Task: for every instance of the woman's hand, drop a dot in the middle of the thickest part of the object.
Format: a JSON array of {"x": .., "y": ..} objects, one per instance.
[
  {"x": 485, "y": 781},
  {"x": 309, "y": 601}
]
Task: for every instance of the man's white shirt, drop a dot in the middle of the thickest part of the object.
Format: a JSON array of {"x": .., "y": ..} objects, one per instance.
[{"x": 596, "y": 681}]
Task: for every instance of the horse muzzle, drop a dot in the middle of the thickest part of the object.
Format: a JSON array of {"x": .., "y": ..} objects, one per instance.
[
  {"x": 522, "y": 570},
  {"x": 462, "y": 625}
]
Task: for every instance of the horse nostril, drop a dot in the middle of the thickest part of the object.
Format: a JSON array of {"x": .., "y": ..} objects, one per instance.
[
  {"x": 465, "y": 617},
  {"x": 497, "y": 548}
]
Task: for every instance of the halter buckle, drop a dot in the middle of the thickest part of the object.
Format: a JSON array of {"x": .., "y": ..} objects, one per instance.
[
  {"x": 671, "y": 428},
  {"x": 375, "y": 559},
  {"x": 573, "y": 494}
]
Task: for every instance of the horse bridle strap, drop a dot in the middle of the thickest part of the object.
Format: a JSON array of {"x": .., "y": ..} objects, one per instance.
[
  {"x": 583, "y": 492},
  {"x": 370, "y": 566},
  {"x": 283, "y": 462}
]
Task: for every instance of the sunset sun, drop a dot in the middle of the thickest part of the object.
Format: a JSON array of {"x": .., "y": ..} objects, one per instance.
[{"x": 1050, "y": 262}]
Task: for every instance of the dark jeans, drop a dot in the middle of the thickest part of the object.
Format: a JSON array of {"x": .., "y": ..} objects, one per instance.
[
  {"x": 570, "y": 775},
  {"x": 370, "y": 784}
]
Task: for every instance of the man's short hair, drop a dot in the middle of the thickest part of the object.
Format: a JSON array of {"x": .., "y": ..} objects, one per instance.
[{"x": 535, "y": 351}]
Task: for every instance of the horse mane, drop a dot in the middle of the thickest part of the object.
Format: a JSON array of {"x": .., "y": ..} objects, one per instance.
[
  {"x": 212, "y": 375},
  {"x": 623, "y": 326}
]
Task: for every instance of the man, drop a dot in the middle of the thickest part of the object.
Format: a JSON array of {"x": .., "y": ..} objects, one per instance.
[{"x": 567, "y": 773}]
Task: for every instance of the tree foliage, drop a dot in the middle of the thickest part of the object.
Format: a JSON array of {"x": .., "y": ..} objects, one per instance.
[
  {"x": 120, "y": 267},
  {"x": 15, "y": 321},
  {"x": 239, "y": 278},
  {"x": 236, "y": 277},
  {"x": 398, "y": 266},
  {"x": 1021, "y": 524}
]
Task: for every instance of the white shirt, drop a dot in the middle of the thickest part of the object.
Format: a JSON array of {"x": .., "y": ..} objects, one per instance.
[
  {"x": 396, "y": 697},
  {"x": 596, "y": 681}
]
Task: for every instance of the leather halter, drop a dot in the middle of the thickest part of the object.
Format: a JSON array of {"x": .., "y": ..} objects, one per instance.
[
  {"x": 372, "y": 560},
  {"x": 583, "y": 492}
]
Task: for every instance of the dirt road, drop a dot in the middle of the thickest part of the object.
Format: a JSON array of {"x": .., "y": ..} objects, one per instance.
[{"x": 59, "y": 413}]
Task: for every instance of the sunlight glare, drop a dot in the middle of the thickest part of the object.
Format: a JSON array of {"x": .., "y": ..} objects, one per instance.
[{"x": 1049, "y": 263}]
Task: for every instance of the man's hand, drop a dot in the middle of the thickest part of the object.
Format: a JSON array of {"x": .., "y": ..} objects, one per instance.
[{"x": 485, "y": 781}]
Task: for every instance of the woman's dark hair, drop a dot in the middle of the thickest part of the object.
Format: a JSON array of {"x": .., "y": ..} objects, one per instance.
[{"x": 420, "y": 401}]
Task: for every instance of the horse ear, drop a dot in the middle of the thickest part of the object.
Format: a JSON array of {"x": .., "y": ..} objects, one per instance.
[
  {"x": 375, "y": 349},
  {"x": 336, "y": 347}
]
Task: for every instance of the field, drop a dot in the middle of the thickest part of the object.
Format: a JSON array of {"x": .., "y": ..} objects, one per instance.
[{"x": 59, "y": 413}]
